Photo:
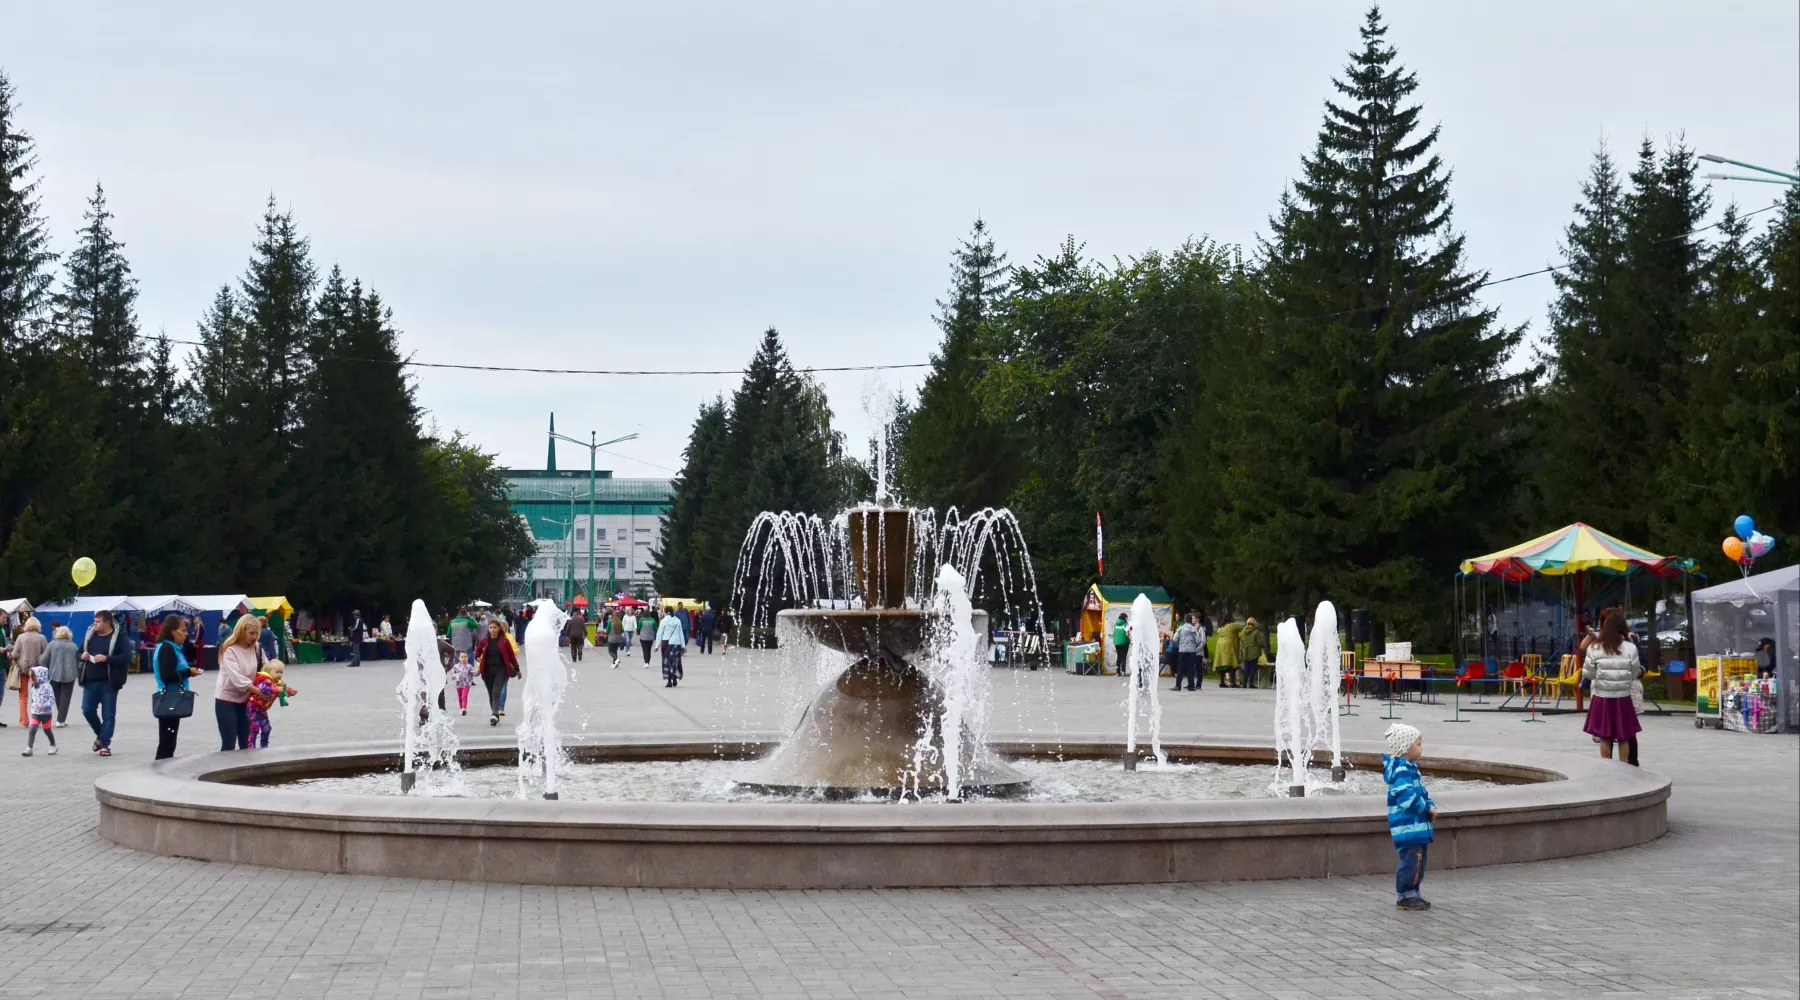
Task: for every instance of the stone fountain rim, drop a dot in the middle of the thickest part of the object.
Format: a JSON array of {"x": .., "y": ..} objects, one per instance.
[{"x": 201, "y": 788}]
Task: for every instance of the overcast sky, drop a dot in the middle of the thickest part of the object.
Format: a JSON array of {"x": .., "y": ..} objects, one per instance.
[{"x": 601, "y": 185}]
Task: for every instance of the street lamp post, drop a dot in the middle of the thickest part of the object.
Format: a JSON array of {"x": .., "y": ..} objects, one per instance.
[
  {"x": 1780, "y": 176},
  {"x": 593, "y": 446}
]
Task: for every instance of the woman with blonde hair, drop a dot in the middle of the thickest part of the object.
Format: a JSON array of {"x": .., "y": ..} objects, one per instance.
[
  {"x": 27, "y": 652},
  {"x": 240, "y": 657},
  {"x": 64, "y": 661}
]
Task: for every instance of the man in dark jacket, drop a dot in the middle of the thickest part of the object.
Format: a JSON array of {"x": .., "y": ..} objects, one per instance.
[
  {"x": 358, "y": 632},
  {"x": 703, "y": 630},
  {"x": 105, "y": 659}
]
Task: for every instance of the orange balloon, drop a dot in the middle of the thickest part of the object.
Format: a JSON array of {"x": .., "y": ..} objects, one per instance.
[{"x": 1734, "y": 548}]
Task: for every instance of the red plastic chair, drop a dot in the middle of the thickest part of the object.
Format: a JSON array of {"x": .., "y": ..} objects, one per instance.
[
  {"x": 1474, "y": 672},
  {"x": 1519, "y": 676}
]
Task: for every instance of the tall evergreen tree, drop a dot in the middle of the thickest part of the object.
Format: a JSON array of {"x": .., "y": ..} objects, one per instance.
[
  {"x": 29, "y": 377},
  {"x": 955, "y": 452},
  {"x": 681, "y": 535},
  {"x": 1372, "y": 439}
]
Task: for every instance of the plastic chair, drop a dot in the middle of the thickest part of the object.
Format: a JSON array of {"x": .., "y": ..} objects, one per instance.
[
  {"x": 1568, "y": 678},
  {"x": 1518, "y": 678},
  {"x": 1474, "y": 673}
]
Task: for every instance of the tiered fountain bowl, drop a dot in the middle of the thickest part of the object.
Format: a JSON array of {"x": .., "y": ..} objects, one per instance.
[{"x": 862, "y": 734}]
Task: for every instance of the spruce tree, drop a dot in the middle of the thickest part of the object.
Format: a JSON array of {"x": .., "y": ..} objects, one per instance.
[
  {"x": 955, "y": 452},
  {"x": 1372, "y": 438},
  {"x": 681, "y": 535},
  {"x": 29, "y": 374}
]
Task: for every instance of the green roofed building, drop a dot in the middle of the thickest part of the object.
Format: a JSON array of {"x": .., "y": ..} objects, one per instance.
[{"x": 628, "y": 518}]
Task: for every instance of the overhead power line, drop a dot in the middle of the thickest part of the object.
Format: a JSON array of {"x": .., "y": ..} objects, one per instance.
[{"x": 453, "y": 366}]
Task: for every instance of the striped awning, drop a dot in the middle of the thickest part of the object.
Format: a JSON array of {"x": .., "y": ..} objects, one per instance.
[{"x": 1573, "y": 549}]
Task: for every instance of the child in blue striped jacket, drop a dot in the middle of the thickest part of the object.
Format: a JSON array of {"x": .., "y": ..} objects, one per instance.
[{"x": 1410, "y": 812}]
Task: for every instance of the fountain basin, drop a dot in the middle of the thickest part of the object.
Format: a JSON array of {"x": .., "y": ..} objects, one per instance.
[{"x": 214, "y": 807}]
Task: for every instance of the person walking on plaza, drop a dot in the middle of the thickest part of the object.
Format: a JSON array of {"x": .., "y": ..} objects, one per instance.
[
  {"x": 495, "y": 657},
  {"x": 1121, "y": 640},
  {"x": 575, "y": 631},
  {"x": 358, "y": 632},
  {"x": 1227, "y": 654},
  {"x": 39, "y": 699},
  {"x": 265, "y": 639},
  {"x": 106, "y": 663},
  {"x": 1410, "y": 813},
  {"x": 724, "y": 626},
  {"x": 461, "y": 632},
  {"x": 1190, "y": 642},
  {"x": 671, "y": 635},
  {"x": 1611, "y": 668},
  {"x": 704, "y": 629},
  {"x": 64, "y": 661},
  {"x": 173, "y": 669},
  {"x": 615, "y": 636},
  {"x": 195, "y": 647},
  {"x": 240, "y": 658},
  {"x": 647, "y": 634},
  {"x": 1251, "y": 647},
  {"x": 27, "y": 654},
  {"x": 462, "y": 678}
]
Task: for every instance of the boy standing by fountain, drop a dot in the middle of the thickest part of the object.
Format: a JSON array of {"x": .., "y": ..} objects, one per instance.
[{"x": 1410, "y": 812}]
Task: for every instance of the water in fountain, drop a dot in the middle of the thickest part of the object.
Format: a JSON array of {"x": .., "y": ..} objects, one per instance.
[
  {"x": 429, "y": 741},
  {"x": 1325, "y": 673},
  {"x": 953, "y": 665},
  {"x": 1307, "y": 674},
  {"x": 1293, "y": 745},
  {"x": 1142, "y": 688},
  {"x": 541, "y": 753}
]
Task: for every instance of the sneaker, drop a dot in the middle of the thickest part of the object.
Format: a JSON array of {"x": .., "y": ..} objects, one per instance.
[
  {"x": 465, "y": 711},
  {"x": 52, "y": 751},
  {"x": 1415, "y": 903},
  {"x": 25, "y": 752}
]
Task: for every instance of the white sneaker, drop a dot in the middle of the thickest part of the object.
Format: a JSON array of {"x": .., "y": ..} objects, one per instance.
[
  {"x": 52, "y": 751},
  {"x": 25, "y": 752}
]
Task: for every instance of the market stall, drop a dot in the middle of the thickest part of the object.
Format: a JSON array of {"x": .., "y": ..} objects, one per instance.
[
  {"x": 78, "y": 614},
  {"x": 278, "y": 611},
  {"x": 146, "y": 622},
  {"x": 1525, "y": 606},
  {"x": 216, "y": 610},
  {"x": 1105, "y": 603},
  {"x": 1745, "y": 628}
]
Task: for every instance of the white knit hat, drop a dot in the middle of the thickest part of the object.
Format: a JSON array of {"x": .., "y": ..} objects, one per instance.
[{"x": 1400, "y": 738}]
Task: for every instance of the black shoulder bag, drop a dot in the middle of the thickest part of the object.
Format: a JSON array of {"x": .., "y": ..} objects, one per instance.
[{"x": 170, "y": 702}]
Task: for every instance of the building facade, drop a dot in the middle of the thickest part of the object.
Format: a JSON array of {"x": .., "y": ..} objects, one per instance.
[{"x": 626, "y": 528}]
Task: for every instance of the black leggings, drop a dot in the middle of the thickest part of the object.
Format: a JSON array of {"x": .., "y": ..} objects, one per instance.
[
  {"x": 166, "y": 730},
  {"x": 63, "y": 690},
  {"x": 646, "y": 643},
  {"x": 496, "y": 681}
]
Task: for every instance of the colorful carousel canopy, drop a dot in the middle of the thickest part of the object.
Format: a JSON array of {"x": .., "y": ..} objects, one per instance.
[{"x": 1573, "y": 549}]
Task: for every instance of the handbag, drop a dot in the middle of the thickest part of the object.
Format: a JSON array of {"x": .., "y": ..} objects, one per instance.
[{"x": 172, "y": 703}]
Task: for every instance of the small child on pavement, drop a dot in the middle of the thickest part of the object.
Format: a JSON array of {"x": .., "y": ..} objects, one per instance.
[
  {"x": 1410, "y": 812},
  {"x": 265, "y": 691},
  {"x": 462, "y": 677},
  {"x": 40, "y": 703}
]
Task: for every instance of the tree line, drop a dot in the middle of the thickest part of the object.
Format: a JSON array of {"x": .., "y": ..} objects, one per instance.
[
  {"x": 1333, "y": 413},
  {"x": 283, "y": 455}
]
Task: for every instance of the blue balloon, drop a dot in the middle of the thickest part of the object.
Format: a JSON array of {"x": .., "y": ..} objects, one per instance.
[{"x": 1744, "y": 526}]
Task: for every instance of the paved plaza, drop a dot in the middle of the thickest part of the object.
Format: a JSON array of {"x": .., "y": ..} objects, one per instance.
[{"x": 1710, "y": 910}]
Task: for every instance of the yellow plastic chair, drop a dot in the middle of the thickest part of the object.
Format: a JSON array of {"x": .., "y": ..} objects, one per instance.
[{"x": 1568, "y": 678}]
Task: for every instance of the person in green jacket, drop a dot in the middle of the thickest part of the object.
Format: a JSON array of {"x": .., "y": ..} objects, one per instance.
[
  {"x": 1254, "y": 645},
  {"x": 1121, "y": 640},
  {"x": 1225, "y": 653}
]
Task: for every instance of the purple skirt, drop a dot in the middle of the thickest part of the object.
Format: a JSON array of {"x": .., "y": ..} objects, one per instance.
[{"x": 1611, "y": 719}]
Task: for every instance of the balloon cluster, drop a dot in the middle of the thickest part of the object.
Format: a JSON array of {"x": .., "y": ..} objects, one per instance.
[{"x": 1748, "y": 545}]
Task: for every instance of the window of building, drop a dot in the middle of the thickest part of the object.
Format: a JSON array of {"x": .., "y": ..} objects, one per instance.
[
  {"x": 621, "y": 534},
  {"x": 581, "y": 534}
]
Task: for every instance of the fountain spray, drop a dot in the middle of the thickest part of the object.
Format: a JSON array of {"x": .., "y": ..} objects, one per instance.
[
  {"x": 430, "y": 738},
  {"x": 1143, "y": 659},
  {"x": 546, "y": 677},
  {"x": 1293, "y": 742},
  {"x": 1324, "y": 676},
  {"x": 964, "y": 683}
]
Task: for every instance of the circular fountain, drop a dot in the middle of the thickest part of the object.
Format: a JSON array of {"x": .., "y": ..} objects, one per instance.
[
  {"x": 898, "y": 718},
  {"x": 880, "y": 725}
]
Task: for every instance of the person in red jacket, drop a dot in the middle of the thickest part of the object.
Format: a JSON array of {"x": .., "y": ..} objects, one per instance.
[{"x": 496, "y": 661}]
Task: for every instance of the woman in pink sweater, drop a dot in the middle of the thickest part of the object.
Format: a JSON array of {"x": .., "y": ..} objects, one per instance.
[{"x": 239, "y": 659}]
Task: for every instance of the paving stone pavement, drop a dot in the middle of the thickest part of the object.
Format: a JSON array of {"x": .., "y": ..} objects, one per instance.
[{"x": 1711, "y": 910}]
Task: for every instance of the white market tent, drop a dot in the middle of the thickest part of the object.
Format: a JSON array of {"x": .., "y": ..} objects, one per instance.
[
  {"x": 15, "y": 606},
  {"x": 224, "y": 604},
  {"x": 162, "y": 604},
  {"x": 1734, "y": 616}
]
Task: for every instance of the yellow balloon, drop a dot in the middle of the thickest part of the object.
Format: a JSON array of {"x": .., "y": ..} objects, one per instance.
[{"x": 82, "y": 571}]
